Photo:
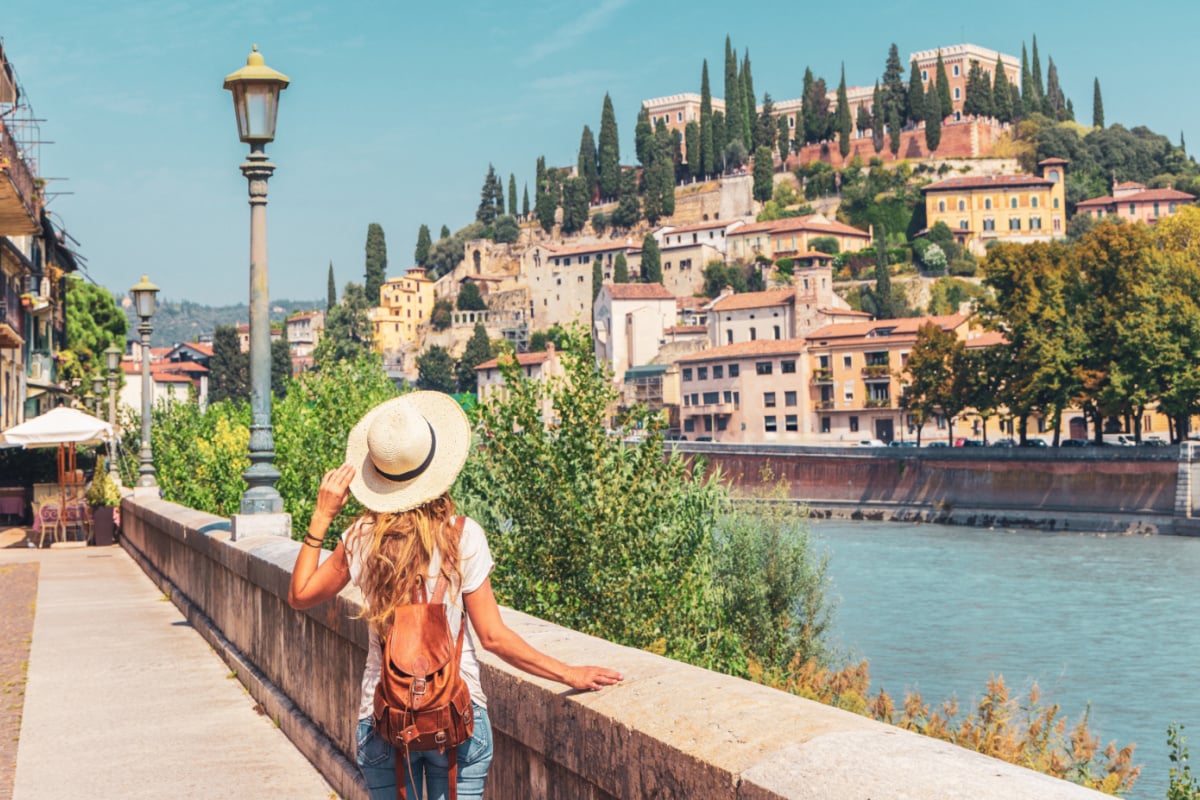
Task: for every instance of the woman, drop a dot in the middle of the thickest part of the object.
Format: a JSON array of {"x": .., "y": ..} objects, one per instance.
[{"x": 401, "y": 460}]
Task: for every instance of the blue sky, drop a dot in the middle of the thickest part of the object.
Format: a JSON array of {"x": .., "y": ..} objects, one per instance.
[{"x": 396, "y": 109}]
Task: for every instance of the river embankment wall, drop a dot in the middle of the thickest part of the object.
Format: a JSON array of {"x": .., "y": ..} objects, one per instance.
[
  {"x": 668, "y": 731},
  {"x": 1102, "y": 489}
]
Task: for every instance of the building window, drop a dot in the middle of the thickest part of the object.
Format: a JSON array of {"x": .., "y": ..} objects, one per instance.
[
  {"x": 728, "y": 396},
  {"x": 753, "y": 334},
  {"x": 722, "y": 423},
  {"x": 695, "y": 399},
  {"x": 925, "y": 75},
  {"x": 712, "y": 398},
  {"x": 962, "y": 205},
  {"x": 737, "y": 400},
  {"x": 1132, "y": 209},
  {"x": 1170, "y": 208},
  {"x": 955, "y": 71},
  {"x": 1035, "y": 223},
  {"x": 962, "y": 225},
  {"x": 787, "y": 367},
  {"x": 789, "y": 399},
  {"x": 687, "y": 373},
  {"x": 1014, "y": 224},
  {"x": 826, "y": 425},
  {"x": 768, "y": 399},
  {"x": 762, "y": 367},
  {"x": 957, "y": 90},
  {"x": 941, "y": 205},
  {"x": 987, "y": 204},
  {"x": 718, "y": 371},
  {"x": 1156, "y": 209},
  {"x": 777, "y": 331},
  {"x": 989, "y": 223},
  {"x": 734, "y": 369},
  {"x": 689, "y": 425},
  {"x": 791, "y": 423},
  {"x": 1012, "y": 203},
  {"x": 769, "y": 424},
  {"x": 853, "y": 424},
  {"x": 701, "y": 373},
  {"x": 728, "y": 337},
  {"x": 1056, "y": 202},
  {"x": 847, "y": 361}
]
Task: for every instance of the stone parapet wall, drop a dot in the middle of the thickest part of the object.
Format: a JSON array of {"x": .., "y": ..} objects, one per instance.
[{"x": 669, "y": 731}]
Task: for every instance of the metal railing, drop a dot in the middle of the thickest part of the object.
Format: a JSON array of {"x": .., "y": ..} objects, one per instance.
[{"x": 18, "y": 172}]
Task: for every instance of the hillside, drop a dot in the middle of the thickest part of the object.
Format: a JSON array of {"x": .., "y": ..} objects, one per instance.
[{"x": 185, "y": 321}]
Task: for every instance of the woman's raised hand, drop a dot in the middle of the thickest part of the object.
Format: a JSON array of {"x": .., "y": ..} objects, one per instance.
[{"x": 334, "y": 492}]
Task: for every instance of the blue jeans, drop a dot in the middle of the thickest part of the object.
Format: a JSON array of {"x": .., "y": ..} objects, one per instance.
[{"x": 377, "y": 762}]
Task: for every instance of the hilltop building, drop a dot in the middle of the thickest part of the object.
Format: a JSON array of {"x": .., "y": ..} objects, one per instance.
[
  {"x": 957, "y": 60},
  {"x": 1133, "y": 202},
  {"x": 1010, "y": 208},
  {"x": 791, "y": 237},
  {"x": 405, "y": 305}
]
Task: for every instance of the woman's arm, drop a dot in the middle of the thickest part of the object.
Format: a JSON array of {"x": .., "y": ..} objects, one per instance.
[
  {"x": 498, "y": 638},
  {"x": 313, "y": 581}
]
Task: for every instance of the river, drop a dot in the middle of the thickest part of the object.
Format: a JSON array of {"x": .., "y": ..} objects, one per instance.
[{"x": 1108, "y": 620}]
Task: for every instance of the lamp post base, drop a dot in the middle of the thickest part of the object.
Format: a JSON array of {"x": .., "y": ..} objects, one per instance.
[{"x": 245, "y": 526}]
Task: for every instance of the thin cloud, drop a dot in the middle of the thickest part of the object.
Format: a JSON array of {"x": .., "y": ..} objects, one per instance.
[{"x": 568, "y": 35}]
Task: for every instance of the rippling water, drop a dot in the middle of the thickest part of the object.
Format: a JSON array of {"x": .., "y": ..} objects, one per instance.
[{"x": 1108, "y": 620}]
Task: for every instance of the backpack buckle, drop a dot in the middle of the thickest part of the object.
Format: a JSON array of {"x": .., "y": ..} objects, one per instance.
[{"x": 418, "y": 686}]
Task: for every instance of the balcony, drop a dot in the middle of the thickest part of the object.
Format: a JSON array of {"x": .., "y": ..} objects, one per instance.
[
  {"x": 820, "y": 376},
  {"x": 824, "y": 405},
  {"x": 710, "y": 409},
  {"x": 878, "y": 402},
  {"x": 19, "y": 192},
  {"x": 10, "y": 338}
]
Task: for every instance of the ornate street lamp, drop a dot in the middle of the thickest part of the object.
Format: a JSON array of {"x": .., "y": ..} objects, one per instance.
[
  {"x": 97, "y": 394},
  {"x": 112, "y": 360},
  {"x": 144, "y": 294},
  {"x": 256, "y": 89}
]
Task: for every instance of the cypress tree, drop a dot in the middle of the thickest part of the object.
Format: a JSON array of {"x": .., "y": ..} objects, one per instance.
[
  {"x": 1001, "y": 94},
  {"x": 628, "y": 211},
  {"x": 692, "y": 138},
  {"x": 376, "y": 263},
  {"x": 1056, "y": 102},
  {"x": 540, "y": 180},
  {"x": 424, "y": 242},
  {"x": 783, "y": 137},
  {"x": 883, "y": 278},
  {"x": 545, "y": 208},
  {"x": 651, "y": 260},
  {"x": 863, "y": 120},
  {"x": 652, "y": 196},
  {"x": 512, "y": 194},
  {"x": 749, "y": 117},
  {"x": 486, "y": 212},
  {"x": 525, "y": 203},
  {"x": 877, "y": 119},
  {"x": 330, "y": 290},
  {"x": 1039, "y": 91},
  {"x": 620, "y": 269},
  {"x": 575, "y": 205},
  {"x": 1069, "y": 113},
  {"x": 610, "y": 152},
  {"x": 844, "y": 122},
  {"x": 933, "y": 122},
  {"x": 916, "y": 94},
  {"x": 894, "y": 130},
  {"x": 666, "y": 173},
  {"x": 707, "y": 139},
  {"x": 445, "y": 234},
  {"x": 893, "y": 83},
  {"x": 808, "y": 114},
  {"x": 597, "y": 277},
  {"x": 733, "y": 97},
  {"x": 765, "y": 129},
  {"x": 719, "y": 141},
  {"x": 643, "y": 132},
  {"x": 1018, "y": 106},
  {"x": 764, "y": 174},
  {"x": 478, "y": 350},
  {"x": 1029, "y": 97},
  {"x": 943, "y": 88},
  {"x": 229, "y": 367},
  {"x": 588, "y": 169}
]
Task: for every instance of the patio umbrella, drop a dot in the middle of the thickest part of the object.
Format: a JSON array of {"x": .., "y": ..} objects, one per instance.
[{"x": 61, "y": 426}]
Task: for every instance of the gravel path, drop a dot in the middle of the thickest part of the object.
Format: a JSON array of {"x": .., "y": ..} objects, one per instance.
[{"x": 18, "y": 600}]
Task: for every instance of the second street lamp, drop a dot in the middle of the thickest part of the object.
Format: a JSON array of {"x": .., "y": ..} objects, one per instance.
[
  {"x": 144, "y": 294},
  {"x": 112, "y": 358},
  {"x": 256, "y": 89}
]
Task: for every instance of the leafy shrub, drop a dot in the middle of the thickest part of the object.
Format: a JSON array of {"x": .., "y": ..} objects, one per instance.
[
  {"x": 825, "y": 244},
  {"x": 964, "y": 267}
]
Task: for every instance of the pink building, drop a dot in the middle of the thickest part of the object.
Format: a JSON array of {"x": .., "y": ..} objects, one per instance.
[{"x": 1133, "y": 202}]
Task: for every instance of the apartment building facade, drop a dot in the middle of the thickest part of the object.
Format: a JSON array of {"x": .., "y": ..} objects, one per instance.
[
  {"x": 791, "y": 237},
  {"x": 1133, "y": 202}
]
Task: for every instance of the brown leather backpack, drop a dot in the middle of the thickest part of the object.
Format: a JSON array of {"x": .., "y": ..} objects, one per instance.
[{"x": 422, "y": 702}]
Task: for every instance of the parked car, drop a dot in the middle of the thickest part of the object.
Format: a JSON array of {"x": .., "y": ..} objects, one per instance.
[
  {"x": 898, "y": 443},
  {"x": 871, "y": 443},
  {"x": 938, "y": 443},
  {"x": 1075, "y": 443},
  {"x": 1006, "y": 442},
  {"x": 1154, "y": 441},
  {"x": 968, "y": 442},
  {"x": 1034, "y": 443}
]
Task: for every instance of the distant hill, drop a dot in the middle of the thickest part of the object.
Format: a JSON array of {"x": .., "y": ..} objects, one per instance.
[{"x": 176, "y": 322}]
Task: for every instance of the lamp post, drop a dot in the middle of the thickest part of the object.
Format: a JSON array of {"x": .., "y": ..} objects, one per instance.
[
  {"x": 98, "y": 394},
  {"x": 112, "y": 360},
  {"x": 144, "y": 294},
  {"x": 256, "y": 89}
]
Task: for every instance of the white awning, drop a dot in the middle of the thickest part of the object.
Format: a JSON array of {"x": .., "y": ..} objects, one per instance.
[{"x": 61, "y": 426}]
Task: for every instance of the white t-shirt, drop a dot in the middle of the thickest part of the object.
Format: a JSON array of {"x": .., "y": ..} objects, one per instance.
[{"x": 474, "y": 566}]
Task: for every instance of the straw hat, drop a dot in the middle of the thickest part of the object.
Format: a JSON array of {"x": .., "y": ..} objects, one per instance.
[{"x": 408, "y": 451}]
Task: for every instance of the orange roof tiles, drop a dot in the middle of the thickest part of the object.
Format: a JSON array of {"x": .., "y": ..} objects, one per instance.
[
  {"x": 685, "y": 329},
  {"x": 524, "y": 359},
  {"x": 759, "y": 347},
  {"x": 898, "y": 327},
  {"x": 988, "y": 182},
  {"x": 744, "y": 300},
  {"x": 698, "y": 226},
  {"x": 812, "y": 223},
  {"x": 986, "y": 339},
  {"x": 1148, "y": 196},
  {"x": 638, "y": 291}
]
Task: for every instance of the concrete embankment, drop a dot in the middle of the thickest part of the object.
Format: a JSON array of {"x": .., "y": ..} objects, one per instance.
[{"x": 1110, "y": 489}]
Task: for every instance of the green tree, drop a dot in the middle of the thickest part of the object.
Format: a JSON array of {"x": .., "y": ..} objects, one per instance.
[
  {"x": 547, "y": 207},
  {"x": 420, "y": 256},
  {"x": 718, "y": 127},
  {"x": 588, "y": 166},
  {"x": 733, "y": 96},
  {"x": 94, "y": 321},
  {"x": 1182, "y": 786},
  {"x": 620, "y": 269},
  {"x": 1097, "y": 105},
  {"x": 512, "y": 195},
  {"x": 575, "y": 205},
  {"x": 877, "y": 119},
  {"x": 651, "y": 260},
  {"x": 1002, "y": 105},
  {"x": 766, "y": 129},
  {"x": 1055, "y": 103},
  {"x": 539, "y": 341},
  {"x": 894, "y": 131},
  {"x": 376, "y": 263},
  {"x": 442, "y": 314},
  {"x": 609, "y": 153},
  {"x": 818, "y": 123},
  {"x": 435, "y": 370},
  {"x": 933, "y": 122},
  {"x": 1030, "y": 98},
  {"x": 978, "y": 99},
  {"x": 881, "y": 298},
  {"x": 628, "y": 211},
  {"x": 844, "y": 122},
  {"x": 525, "y": 203},
  {"x": 597, "y": 277},
  {"x": 445, "y": 234},
  {"x": 447, "y": 252},
  {"x": 916, "y": 94},
  {"x": 281, "y": 366},
  {"x": 764, "y": 174},
  {"x": 347, "y": 333},
  {"x": 1039, "y": 91},
  {"x": 330, "y": 290},
  {"x": 934, "y": 368},
  {"x": 707, "y": 140},
  {"x": 478, "y": 350},
  {"x": 643, "y": 136},
  {"x": 506, "y": 230},
  {"x": 229, "y": 367},
  {"x": 486, "y": 212},
  {"x": 469, "y": 298},
  {"x": 783, "y": 137},
  {"x": 893, "y": 85},
  {"x": 692, "y": 137},
  {"x": 943, "y": 88},
  {"x": 747, "y": 97}
]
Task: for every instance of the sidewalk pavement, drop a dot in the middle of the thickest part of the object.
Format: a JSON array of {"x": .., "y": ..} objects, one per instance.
[{"x": 125, "y": 700}]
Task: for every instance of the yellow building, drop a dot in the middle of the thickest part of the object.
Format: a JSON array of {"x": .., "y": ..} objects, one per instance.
[
  {"x": 1006, "y": 208},
  {"x": 405, "y": 304}
]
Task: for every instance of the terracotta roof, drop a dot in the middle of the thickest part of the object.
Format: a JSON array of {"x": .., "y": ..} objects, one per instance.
[
  {"x": 1148, "y": 196},
  {"x": 987, "y": 339},
  {"x": 771, "y": 297},
  {"x": 690, "y": 303},
  {"x": 759, "y": 347},
  {"x": 899, "y": 327},
  {"x": 987, "y": 182},
  {"x": 1053, "y": 162},
  {"x": 594, "y": 247},
  {"x": 1130, "y": 185},
  {"x": 524, "y": 359},
  {"x": 638, "y": 291},
  {"x": 169, "y": 377},
  {"x": 179, "y": 366},
  {"x": 814, "y": 254},
  {"x": 682, "y": 329},
  {"x": 202, "y": 347},
  {"x": 812, "y": 222},
  {"x": 698, "y": 226}
]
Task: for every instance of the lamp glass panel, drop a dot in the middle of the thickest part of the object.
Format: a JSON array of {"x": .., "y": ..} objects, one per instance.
[
  {"x": 145, "y": 303},
  {"x": 257, "y": 106}
]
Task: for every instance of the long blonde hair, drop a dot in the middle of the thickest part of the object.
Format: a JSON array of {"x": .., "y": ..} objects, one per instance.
[{"x": 396, "y": 562}]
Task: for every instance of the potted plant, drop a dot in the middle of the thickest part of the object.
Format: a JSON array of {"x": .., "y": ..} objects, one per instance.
[{"x": 103, "y": 496}]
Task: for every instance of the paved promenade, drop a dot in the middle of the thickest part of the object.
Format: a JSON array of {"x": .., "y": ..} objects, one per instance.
[{"x": 125, "y": 700}]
